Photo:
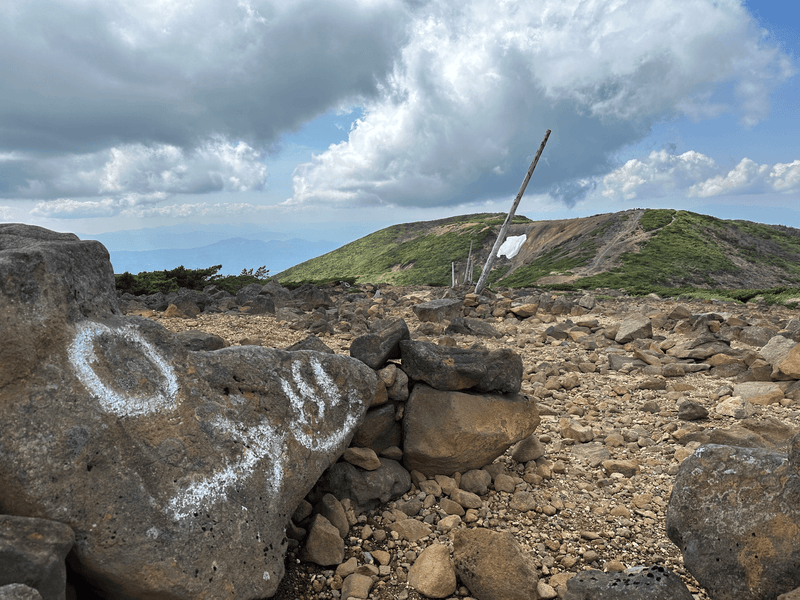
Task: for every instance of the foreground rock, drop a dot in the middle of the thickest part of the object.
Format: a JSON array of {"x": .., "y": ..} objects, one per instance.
[
  {"x": 735, "y": 515},
  {"x": 111, "y": 426}
]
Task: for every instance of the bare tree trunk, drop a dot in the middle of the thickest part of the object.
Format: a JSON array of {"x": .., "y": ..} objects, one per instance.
[{"x": 504, "y": 229}]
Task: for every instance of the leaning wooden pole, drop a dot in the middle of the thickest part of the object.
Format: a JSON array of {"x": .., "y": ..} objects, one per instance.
[
  {"x": 467, "y": 273},
  {"x": 504, "y": 229}
]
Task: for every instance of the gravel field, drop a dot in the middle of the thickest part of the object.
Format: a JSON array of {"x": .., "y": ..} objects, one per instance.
[{"x": 582, "y": 517}]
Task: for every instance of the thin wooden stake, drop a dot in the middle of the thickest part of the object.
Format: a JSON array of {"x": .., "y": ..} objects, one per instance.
[
  {"x": 504, "y": 229},
  {"x": 467, "y": 274},
  {"x": 452, "y": 274}
]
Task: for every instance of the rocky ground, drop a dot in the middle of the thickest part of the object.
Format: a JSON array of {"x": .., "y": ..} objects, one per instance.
[{"x": 579, "y": 515}]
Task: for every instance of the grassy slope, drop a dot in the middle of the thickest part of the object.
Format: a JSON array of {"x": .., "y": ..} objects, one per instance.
[
  {"x": 402, "y": 254},
  {"x": 686, "y": 251}
]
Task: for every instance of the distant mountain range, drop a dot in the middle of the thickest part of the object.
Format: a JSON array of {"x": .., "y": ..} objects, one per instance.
[{"x": 234, "y": 254}]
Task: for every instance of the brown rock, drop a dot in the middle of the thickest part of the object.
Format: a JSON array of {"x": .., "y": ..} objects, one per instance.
[
  {"x": 432, "y": 574},
  {"x": 627, "y": 468},
  {"x": 438, "y": 311},
  {"x": 492, "y": 565},
  {"x": 757, "y": 392},
  {"x": 356, "y": 585},
  {"x": 634, "y": 328},
  {"x": 791, "y": 364},
  {"x": 362, "y": 457},
  {"x": 410, "y": 529},
  {"x": 447, "y": 432},
  {"x": 173, "y": 312},
  {"x": 330, "y": 508},
  {"x": 466, "y": 499},
  {"x": 324, "y": 545}
]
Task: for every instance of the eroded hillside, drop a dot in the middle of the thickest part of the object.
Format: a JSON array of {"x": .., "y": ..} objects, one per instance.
[{"x": 626, "y": 249}]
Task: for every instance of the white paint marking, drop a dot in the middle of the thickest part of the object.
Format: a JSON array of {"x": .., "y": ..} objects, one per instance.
[
  {"x": 263, "y": 441},
  {"x": 259, "y": 442},
  {"x": 81, "y": 355}
]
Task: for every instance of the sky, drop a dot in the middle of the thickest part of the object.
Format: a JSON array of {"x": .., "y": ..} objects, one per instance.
[{"x": 335, "y": 118}]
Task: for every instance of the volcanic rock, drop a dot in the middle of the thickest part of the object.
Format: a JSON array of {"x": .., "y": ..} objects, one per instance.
[
  {"x": 32, "y": 552},
  {"x": 374, "y": 349},
  {"x": 735, "y": 515},
  {"x": 111, "y": 427},
  {"x": 475, "y": 327},
  {"x": 438, "y": 311},
  {"x": 446, "y": 432},
  {"x": 367, "y": 489},
  {"x": 446, "y": 368},
  {"x": 638, "y": 583},
  {"x": 199, "y": 341}
]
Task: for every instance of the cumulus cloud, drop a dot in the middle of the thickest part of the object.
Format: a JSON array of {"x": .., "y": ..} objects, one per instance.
[
  {"x": 200, "y": 209},
  {"x": 750, "y": 177},
  {"x": 142, "y": 171},
  {"x": 658, "y": 175},
  {"x": 102, "y": 98},
  {"x": 478, "y": 83},
  {"x": 115, "y": 101},
  {"x": 698, "y": 175},
  {"x": 7, "y": 213},
  {"x": 138, "y": 206}
]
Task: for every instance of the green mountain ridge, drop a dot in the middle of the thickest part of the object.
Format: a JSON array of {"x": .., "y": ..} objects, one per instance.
[{"x": 632, "y": 249}]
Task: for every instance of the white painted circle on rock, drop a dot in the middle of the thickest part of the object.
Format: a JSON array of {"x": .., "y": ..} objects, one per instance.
[{"x": 82, "y": 355}]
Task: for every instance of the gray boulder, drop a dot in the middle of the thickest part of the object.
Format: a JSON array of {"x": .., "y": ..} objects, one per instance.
[
  {"x": 474, "y": 327},
  {"x": 248, "y": 293},
  {"x": 32, "y": 552},
  {"x": 367, "y": 489},
  {"x": 374, "y": 349},
  {"x": 19, "y": 591},
  {"x": 261, "y": 305},
  {"x": 438, "y": 311},
  {"x": 633, "y": 328},
  {"x": 446, "y": 368},
  {"x": 154, "y": 455},
  {"x": 735, "y": 515},
  {"x": 198, "y": 341},
  {"x": 308, "y": 297},
  {"x": 637, "y": 583},
  {"x": 756, "y": 336},
  {"x": 313, "y": 343}
]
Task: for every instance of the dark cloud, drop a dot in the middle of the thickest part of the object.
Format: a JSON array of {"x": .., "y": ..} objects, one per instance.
[{"x": 82, "y": 76}]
